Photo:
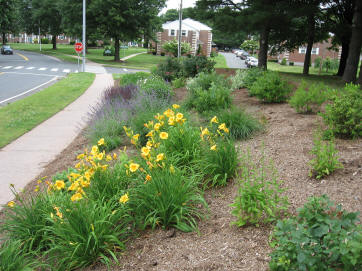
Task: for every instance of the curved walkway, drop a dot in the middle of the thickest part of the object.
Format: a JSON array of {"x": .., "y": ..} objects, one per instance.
[
  {"x": 232, "y": 61},
  {"x": 25, "y": 158}
]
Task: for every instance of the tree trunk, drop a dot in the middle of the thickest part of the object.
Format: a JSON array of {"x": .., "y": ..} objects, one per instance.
[
  {"x": 4, "y": 38},
  {"x": 263, "y": 51},
  {"x": 359, "y": 80},
  {"x": 116, "y": 49},
  {"x": 146, "y": 43},
  {"x": 344, "y": 55},
  {"x": 350, "y": 72},
  {"x": 308, "y": 53},
  {"x": 54, "y": 42}
]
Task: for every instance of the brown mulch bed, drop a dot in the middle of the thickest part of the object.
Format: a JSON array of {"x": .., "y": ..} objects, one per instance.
[{"x": 287, "y": 140}]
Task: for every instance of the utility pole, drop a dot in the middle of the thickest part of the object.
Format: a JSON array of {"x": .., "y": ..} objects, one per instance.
[
  {"x": 84, "y": 41},
  {"x": 179, "y": 31},
  {"x": 39, "y": 41}
]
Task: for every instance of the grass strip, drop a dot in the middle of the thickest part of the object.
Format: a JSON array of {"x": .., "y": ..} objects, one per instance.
[
  {"x": 220, "y": 62},
  {"x": 21, "y": 116}
]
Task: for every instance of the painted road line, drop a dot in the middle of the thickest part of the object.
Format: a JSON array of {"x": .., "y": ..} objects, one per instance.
[
  {"x": 18, "y": 67},
  {"x": 30, "y": 68},
  {"x": 125, "y": 70},
  {"x": 7, "y": 67},
  {"x": 26, "y": 59},
  {"x": 30, "y": 90},
  {"x": 30, "y": 73},
  {"x": 66, "y": 70},
  {"x": 54, "y": 69},
  {"x": 42, "y": 69}
]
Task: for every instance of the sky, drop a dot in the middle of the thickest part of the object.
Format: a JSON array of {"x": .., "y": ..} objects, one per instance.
[{"x": 174, "y": 4}]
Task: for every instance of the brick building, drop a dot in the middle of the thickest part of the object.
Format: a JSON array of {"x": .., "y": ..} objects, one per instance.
[
  {"x": 193, "y": 32},
  {"x": 319, "y": 49}
]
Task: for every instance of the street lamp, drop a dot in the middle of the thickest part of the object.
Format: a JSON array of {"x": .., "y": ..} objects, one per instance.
[{"x": 84, "y": 41}]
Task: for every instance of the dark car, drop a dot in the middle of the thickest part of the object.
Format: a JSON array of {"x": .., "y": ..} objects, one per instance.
[
  {"x": 6, "y": 50},
  {"x": 244, "y": 55}
]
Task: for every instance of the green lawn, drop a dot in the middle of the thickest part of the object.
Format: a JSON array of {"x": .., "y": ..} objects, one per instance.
[
  {"x": 21, "y": 116},
  {"x": 220, "y": 62},
  {"x": 65, "y": 52},
  {"x": 273, "y": 66}
]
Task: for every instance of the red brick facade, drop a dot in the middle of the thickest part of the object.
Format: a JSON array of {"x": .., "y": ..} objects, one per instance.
[{"x": 319, "y": 50}]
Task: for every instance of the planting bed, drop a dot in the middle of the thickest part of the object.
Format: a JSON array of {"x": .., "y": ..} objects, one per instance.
[{"x": 287, "y": 140}]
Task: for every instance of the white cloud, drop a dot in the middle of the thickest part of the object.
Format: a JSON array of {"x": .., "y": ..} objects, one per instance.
[{"x": 175, "y": 4}]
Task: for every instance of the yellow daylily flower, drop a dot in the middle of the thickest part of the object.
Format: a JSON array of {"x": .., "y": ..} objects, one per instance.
[
  {"x": 171, "y": 120},
  {"x": 124, "y": 198},
  {"x": 213, "y": 148},
  {"x": 163, "y": 135},
  {"x": 148, "y": 177},
  {"x": 149, "y": 134},
  {"x": 76, "y": 197},
  {"x": 100, "y": 156},
  {"x": 136, "y": 137},
  {"x": 175, "y": 106},
  {"x": 59, "y": 184},
  {"x": 179, "y": 116},
  {"x": 108, "y": 158},
  {"x": 101, "y": 142},
  {"x": 145, "y": 151},
  {"x": 214, "y": 120},
  {"x": 168, "y": 113},
  {"x": 11, "y": 204},
  {"x": 157, "y": 126},
  {"x": 160, "y": 157},
  {"x": 133, "y": 167},
  {"x": 74, "y": 186}
]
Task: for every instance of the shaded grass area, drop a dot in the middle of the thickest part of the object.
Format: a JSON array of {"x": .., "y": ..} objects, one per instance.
[
  {"x": 220, "y": 62},
  {"x": 273, "y": 66},
  {"x": 21, "y": 116},
  {"x": 66, "y": 52},
  {"x": 329, "y": 80},
  {"x": 143, "y": 61}
]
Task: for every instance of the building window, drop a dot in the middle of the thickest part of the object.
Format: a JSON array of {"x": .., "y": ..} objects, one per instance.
[
  {"x": 172, "y": 32},
  {"x": 302, "y": 50},
  {"x": 184, "y": 33},
  {"x": 315, "y": 51}
]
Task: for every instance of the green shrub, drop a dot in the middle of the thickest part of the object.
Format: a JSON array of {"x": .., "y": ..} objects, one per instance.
[
  {"x": 133, "y": 78},
  {"x": 45, "y": 41},
  {"x": 309, "y": 99},
  {"x": 325, "y": 159},
  {"x": 178, "y": 83},
  {"x": 216, "y": 97},
  {"x": 172, "y": 47},
  {"x": 321, "y": 237},
  {"x": 204, "y": 81},
  {"x": 90, "y": 231},
  {"x": 271, "y": 88},
  {"x": 237, "y": 81},
  {"x": 12, "y": 258},
  {"x": 220, "y": 165},
  {"x": 344, "y": 115},
  {"x": 283, "y": 62},
  {"x": 251, "y": 75},
  {"x": 156, "y": 85},
  {"x": 317, "y": 62},
  {"x": 291, "y": 63},
  {"x": 168, "y": 200},
  {"x": 259, "y": 199},
  {"x": 170, "y": 70},
  {"x": 241, "y": 124},
  {"x": 197, "y": 64}
]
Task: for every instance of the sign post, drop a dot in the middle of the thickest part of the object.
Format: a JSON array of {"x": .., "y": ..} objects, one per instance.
[{"x": 78, "y": 48}]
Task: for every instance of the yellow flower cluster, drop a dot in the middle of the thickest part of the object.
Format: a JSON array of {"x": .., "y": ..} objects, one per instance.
[
  {"x": 216, "y": 131},
  {"x": 88, "y": 164}
]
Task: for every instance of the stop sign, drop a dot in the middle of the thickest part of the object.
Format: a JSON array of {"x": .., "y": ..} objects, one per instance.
[{"x": 78, "y": 47}]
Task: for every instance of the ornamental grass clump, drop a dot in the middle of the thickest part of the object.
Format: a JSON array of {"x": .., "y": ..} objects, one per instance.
[
  {"x": 321, "y": 237},
  {"x": 133, "y": 78},
  {"x": 241, "y": 124}
]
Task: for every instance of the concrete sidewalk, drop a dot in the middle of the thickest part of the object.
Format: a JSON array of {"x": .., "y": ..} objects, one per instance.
[{"x": 25, "y": 158}]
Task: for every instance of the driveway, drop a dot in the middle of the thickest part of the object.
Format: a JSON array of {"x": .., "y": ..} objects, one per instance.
[{"x": 232, "y": 61}]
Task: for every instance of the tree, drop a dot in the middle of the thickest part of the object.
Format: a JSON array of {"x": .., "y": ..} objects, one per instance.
[
  {"x": 172, "y": 47},
  {"x": 124, "y": 19},
  {"x": 48, "y": 15},
  {"x": 339, "y": 17},
  {"x": 250, "y": 45},
  {"x": 7, "y": 17},
  {"x": 350, "y": 71}
]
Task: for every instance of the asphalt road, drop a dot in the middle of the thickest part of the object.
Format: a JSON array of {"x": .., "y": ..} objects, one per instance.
[
  {"x": 25, "y": 73},
  {"x": 232, "y": 61}
]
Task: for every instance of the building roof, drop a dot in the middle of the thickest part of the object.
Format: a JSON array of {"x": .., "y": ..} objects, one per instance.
[{"x": 187, "y": 24}]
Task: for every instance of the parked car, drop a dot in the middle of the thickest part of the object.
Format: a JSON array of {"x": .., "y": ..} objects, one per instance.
[
  {"x": 253, "y": 63},
  {"x": 244, "y": 55},
  {"x": 240, "y": 52},
  {"x": 6, "y": 50},
  {"x": 247, "y": 59}
]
